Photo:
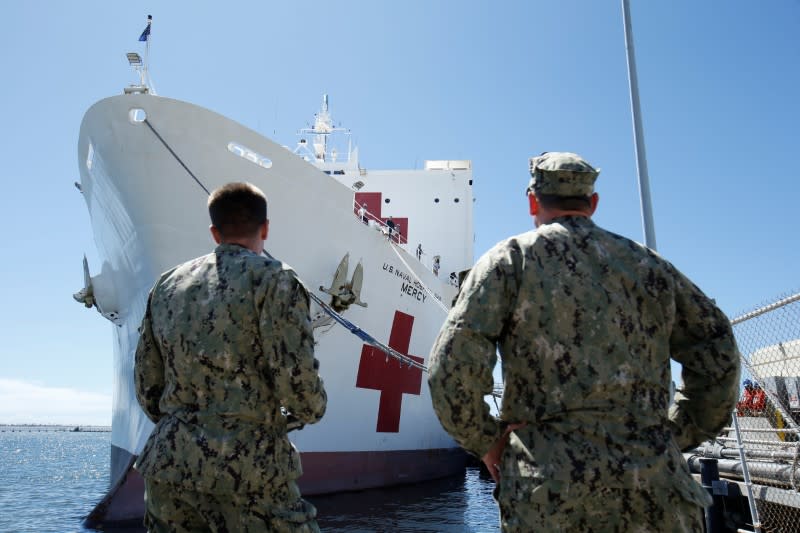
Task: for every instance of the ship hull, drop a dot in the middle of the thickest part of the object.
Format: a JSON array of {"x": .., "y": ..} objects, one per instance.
[
  {"x": 324, "y": 473},
  {"x": 147, "y": 164}
]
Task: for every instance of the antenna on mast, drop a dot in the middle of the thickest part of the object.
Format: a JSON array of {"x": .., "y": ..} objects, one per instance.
[{"x": 323, "y": 151}]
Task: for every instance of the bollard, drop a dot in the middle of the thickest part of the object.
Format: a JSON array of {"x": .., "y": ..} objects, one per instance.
[{"x": 713, "y": 514}]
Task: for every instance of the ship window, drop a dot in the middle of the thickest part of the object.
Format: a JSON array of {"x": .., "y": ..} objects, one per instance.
[
  {"x": 436, "y": 200},
  {"x": 90, "y": 157},
  {"x": 470, "y": 182},
  {"x": 250, "y": 155},
  {"x": 456, "y": 200},
  {"x": 137, "y": 115},
  {"x": 386, "y": 201}
]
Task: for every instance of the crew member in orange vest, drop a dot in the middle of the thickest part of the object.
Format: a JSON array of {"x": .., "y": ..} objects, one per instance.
[{"x": 753, "y": 401}]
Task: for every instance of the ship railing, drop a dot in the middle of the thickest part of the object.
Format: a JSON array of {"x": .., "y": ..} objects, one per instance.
[{"x": 379, "y": 224}]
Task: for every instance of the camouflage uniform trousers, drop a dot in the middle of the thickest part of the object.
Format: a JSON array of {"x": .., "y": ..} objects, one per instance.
[
  {"x": 170, "y": 508},
  {"x": 555, "y": 506}
]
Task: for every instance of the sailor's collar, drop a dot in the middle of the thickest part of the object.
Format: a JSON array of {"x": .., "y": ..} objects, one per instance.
[
  {"x": 572, "y": 220},
  {"x": 230, "y": 247}
]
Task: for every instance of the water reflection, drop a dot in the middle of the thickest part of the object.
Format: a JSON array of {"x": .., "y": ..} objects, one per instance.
[{"x": 456, "y": 504}]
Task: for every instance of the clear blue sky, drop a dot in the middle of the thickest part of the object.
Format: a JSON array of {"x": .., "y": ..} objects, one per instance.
[{"x": 494, "y": 82}]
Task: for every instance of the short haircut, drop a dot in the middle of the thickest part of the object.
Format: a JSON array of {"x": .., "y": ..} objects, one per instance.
[
  {"x": 564, "y": 203},
  {"x": 237, "y": 209}
]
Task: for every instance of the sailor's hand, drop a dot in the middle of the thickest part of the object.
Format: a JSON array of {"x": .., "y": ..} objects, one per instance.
[{"x": 493, "y": 457}]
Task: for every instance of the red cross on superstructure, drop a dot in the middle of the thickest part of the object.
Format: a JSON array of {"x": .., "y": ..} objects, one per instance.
[
  {"x": 374, "y": 209},
  {"x": 380, "y": 372}
]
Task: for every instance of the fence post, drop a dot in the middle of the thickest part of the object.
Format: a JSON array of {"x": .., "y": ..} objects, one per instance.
[{"x": 746, "y": 475}]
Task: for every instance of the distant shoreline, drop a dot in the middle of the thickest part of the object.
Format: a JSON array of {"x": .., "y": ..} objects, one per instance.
[{"x": 80, "y": 428}]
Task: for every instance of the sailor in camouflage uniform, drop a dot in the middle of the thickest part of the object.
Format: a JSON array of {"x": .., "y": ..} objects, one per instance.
[
  {"x": 225, "y": 367},
  {"x": 585, "y": 323}
]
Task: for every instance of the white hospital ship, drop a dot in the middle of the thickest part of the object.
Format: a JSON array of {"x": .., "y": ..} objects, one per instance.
[{"x": 147, "y": 164}]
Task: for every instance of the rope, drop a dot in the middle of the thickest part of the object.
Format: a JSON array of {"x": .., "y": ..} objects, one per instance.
[
  {"x": 366, "y": 337},
  {"x": 369, "y": 339},
  {"x": 435, "y": 299},
  {"x": 175, "y": 155}
]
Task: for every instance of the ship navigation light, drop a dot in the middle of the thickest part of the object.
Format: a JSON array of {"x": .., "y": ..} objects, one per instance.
[{"x": 134, "y": 59}]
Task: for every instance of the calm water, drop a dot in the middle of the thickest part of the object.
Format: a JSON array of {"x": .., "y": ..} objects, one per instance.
[{"x": 49, "y": 480}]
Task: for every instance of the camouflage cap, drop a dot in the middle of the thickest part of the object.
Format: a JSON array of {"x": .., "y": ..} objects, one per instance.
[{"x": 562, "y": 174}]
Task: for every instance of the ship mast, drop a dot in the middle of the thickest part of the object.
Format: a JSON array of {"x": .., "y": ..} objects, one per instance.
[
  {"x": 323, "y": 126},
  {"x": 141, "y": 67},
  {"x": 324, "y": 150}
]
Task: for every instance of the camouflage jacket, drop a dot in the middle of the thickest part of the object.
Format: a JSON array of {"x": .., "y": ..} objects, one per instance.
[
  {"x": 585, "y": 323},
  {"x": 225, "y": 352}
]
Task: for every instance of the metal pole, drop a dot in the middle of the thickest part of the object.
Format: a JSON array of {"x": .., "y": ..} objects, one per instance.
[
  {"x": 638, "y": 134},
  {"x": 146, "y": 76},
  {"x": 746, "y": 476}
]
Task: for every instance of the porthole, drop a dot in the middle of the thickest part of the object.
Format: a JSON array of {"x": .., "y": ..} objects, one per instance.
[
  {"x": 137, "y": 115},
  {"x": 386, "y": 201},
  {"x": 456, "y": 200},
  {"x": 436, "y": 200}
]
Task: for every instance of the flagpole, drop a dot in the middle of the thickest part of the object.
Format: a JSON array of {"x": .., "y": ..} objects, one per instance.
[
  {"x": 638, "y": 132},
  {"x": 147, "y": 51}
]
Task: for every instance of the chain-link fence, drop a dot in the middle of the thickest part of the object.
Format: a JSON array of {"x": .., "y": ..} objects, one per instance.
[{"x": 767, "y": 420}]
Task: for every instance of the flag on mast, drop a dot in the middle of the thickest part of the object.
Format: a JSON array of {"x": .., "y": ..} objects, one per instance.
[{"x": 146, "y": 33}]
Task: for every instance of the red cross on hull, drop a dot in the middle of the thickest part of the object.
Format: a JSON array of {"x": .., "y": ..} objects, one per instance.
[{"x": 380, "y": 372}]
